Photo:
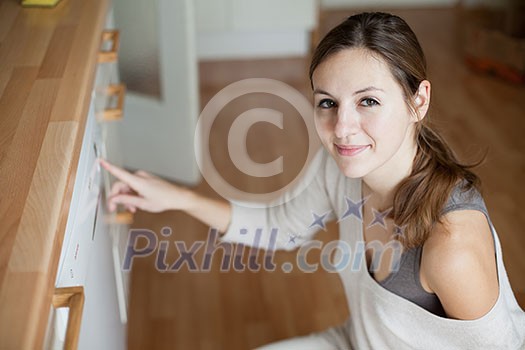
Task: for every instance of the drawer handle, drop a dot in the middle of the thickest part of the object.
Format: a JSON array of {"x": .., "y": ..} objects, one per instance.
[
  {"x": 121, "y": 217},
  {"x": 73, "y": 298},
  {"x": 111, "y": 114},
  {"x": 112, "y": 54}
]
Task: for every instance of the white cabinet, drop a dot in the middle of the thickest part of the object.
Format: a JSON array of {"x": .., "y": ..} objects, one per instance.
[
  {"x": 229, "y": 29},
  {"x": 356, "y": 4},
  {"x": 211, "y": 16},
  {"x": 119, "y": 241},
  {"x": 102, "y": 327},
  {"x": 252, "y": 15}
]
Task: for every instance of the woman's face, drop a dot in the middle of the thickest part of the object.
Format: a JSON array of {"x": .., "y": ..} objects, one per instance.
[{"x": 361, "y": 115}]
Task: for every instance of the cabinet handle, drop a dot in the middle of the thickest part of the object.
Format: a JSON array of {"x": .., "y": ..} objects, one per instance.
[
  {"x": 112, "y": 54},
  {"x": 111, "y": 114},
  {"x": 73, "y": 298},
  {"x": 120, "y": 216},
  {"x": 123, "y": 217}
]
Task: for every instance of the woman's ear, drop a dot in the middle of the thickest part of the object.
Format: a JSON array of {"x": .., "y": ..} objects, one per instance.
[{"x": 422, "y": 99}]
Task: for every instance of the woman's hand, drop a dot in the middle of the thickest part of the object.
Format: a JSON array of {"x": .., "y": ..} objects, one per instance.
[
  {"x": 144, "y": 191},
  {"x": 151, "y": 193}
]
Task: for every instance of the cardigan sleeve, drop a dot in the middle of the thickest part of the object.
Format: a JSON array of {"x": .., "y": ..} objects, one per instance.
[{"x": 289, "y": 221}]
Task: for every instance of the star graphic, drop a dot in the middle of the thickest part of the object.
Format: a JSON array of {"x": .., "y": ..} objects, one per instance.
[
  {"x": 379, "y": 217},
  {"x": 292, "y": 238},
  {"x": 319, "y": 220},
  {"x": 354, "y": 208},
  {"x": 399, "y": 230}
]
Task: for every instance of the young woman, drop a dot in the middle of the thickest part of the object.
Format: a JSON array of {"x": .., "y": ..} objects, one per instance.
[{"x": 386, "y": 176}]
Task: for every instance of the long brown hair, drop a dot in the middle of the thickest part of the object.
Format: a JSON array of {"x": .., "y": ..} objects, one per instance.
[{"x": 419, "y": 199}]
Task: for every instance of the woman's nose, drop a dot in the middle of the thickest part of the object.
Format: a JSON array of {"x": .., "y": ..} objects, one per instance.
[{"x": 347, "y": 124}]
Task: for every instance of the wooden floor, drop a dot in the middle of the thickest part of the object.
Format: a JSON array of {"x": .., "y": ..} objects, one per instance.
[{"x": 240, "y": 310}]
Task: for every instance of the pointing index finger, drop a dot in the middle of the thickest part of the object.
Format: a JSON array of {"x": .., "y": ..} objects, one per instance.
[{"x": 119, "y": 173}]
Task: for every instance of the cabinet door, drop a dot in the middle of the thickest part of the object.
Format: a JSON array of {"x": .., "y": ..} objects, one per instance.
[
  {"x": 119, "y": 237},
  {"x": 101, "y": 327},
  {"x": 213, "y": 15},
  {"x": 273, "y": 15},
  {"x": 234, "y": 15}
]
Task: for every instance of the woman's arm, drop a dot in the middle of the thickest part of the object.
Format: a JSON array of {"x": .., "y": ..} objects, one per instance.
[
  {"x": 286, "y": 223},
  {"x": 150, "y": 193},
  {"x": 459, "y": 265}
]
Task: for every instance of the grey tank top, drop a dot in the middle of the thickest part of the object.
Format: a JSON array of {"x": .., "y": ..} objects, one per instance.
[{"x": 405, "y": 282}]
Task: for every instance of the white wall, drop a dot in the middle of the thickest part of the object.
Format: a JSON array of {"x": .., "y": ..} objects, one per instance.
[
  {"x": 490, "y": 3},
  {"x": 243, "y": 44},
  {"x": 385, "y": 3},
  {"x": 229, "y": 29}
]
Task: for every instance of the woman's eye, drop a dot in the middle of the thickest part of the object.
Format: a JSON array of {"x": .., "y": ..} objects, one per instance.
[
  {"x": 369, "y": 102},
  {"x": 326, "y": 103}
]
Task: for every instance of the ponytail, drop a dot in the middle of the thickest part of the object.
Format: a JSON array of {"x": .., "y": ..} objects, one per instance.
[{"x": 420, "y": 198}]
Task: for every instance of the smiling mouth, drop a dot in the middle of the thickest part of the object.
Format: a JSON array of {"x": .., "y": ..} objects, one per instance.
[{"x": 350, "y": 150}]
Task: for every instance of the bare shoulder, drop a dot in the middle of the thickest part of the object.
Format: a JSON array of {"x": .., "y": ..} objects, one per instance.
[{"x": 459, "y": 264}]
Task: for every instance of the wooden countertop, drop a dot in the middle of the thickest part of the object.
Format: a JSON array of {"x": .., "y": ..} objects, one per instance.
[{"x": 48, "y": 59}]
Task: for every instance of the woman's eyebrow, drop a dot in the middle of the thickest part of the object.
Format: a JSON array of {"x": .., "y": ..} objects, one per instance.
[
  {"x": 322, "y": 92},
  {"x": 370, "y": 88}
]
